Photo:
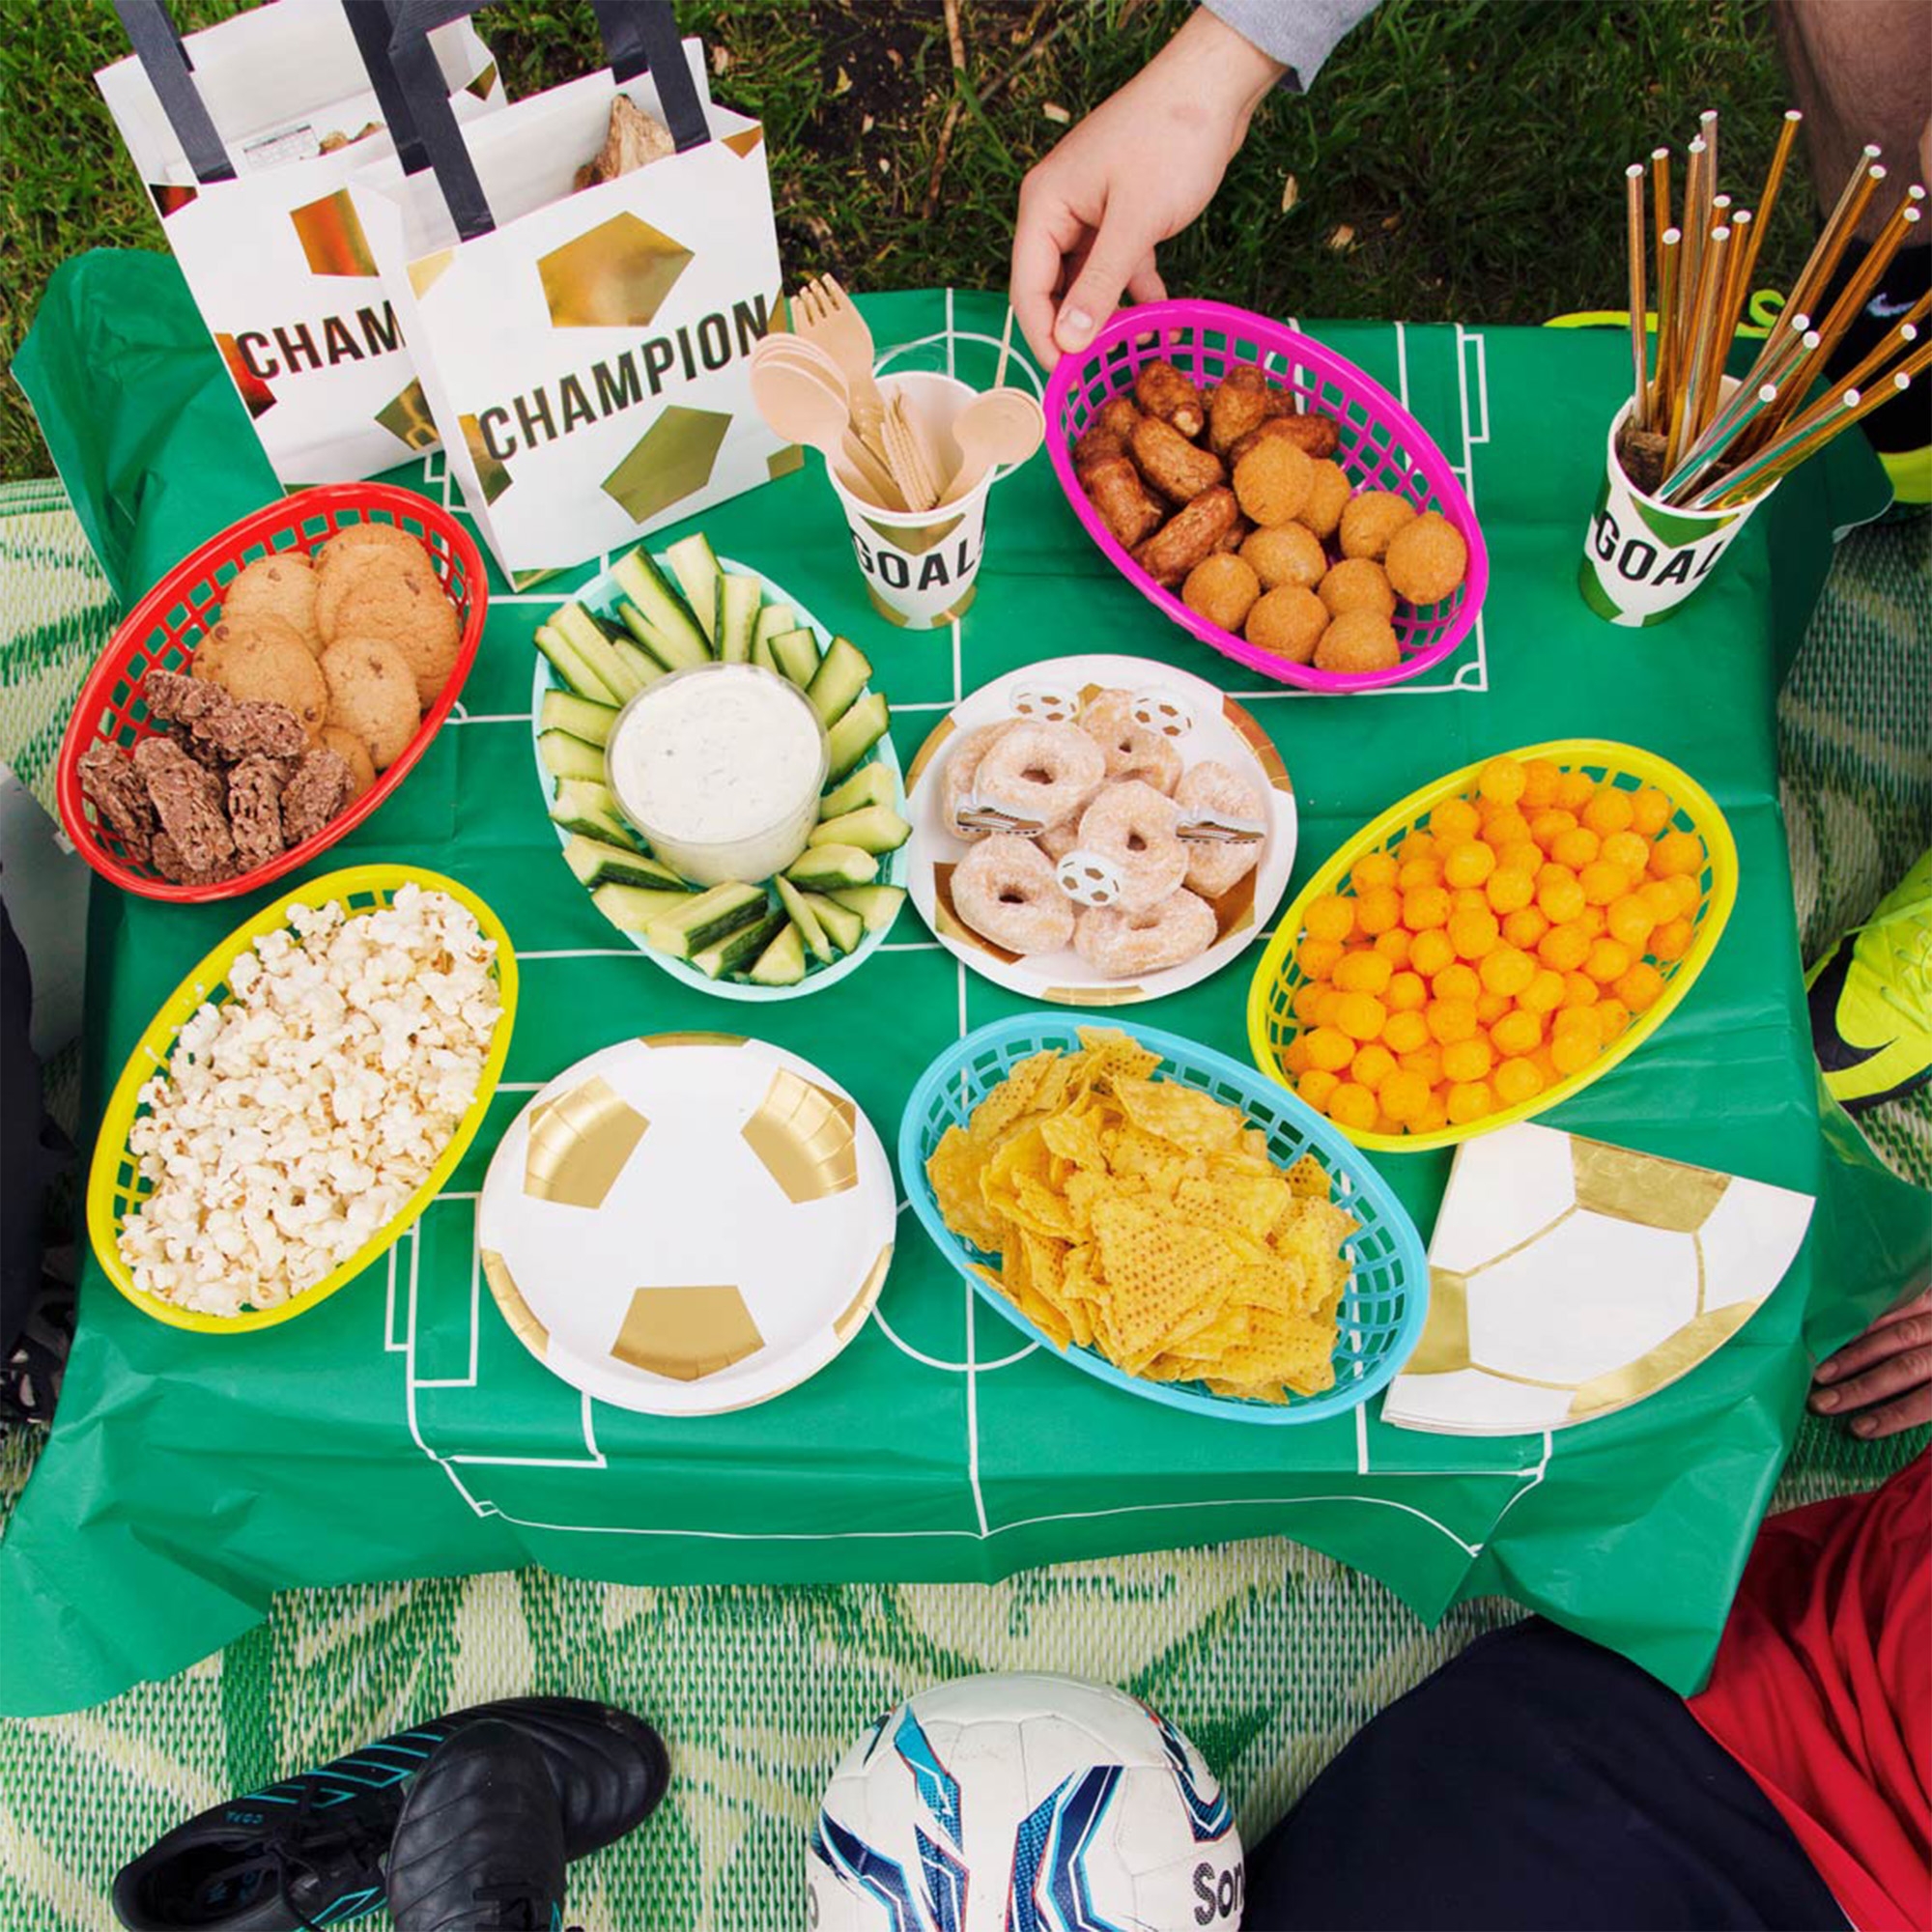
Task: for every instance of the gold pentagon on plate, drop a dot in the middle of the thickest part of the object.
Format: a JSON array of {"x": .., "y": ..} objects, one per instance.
[
  {"x": 578, "y": 1145},
  {"x": 615, "y": 276},
  {"x": 687, "y": 1333},
  {"x": 509, "y": 1299},
  {"x": 805, "y": 1138}
]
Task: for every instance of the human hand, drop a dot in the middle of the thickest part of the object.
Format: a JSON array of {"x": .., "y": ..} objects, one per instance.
[
  {"x": 1134, "y": 172},
  {"x": 1885, "y": 1376}
]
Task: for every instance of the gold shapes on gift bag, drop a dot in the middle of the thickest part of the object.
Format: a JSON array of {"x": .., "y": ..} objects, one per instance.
[
  {"x": 493, "y": 474},
  {"x": 615, "y": 276},
  {"x": 331, "y": 236},
  {"x": 670, "y": 461},
  {"x": 406, "y": 416}
]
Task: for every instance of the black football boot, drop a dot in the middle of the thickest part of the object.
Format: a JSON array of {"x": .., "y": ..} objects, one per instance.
[
  {"x": 309, "y": 1851},
  {"x": 479, "y": 1844}
]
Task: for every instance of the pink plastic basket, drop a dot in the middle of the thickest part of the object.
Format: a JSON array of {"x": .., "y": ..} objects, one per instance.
[{"x": 1382, "y": 447}]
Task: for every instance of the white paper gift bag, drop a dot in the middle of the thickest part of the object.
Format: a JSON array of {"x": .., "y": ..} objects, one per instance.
[
  {"x": 585, "y": 350},
  {"x": 246, "y": 134}
]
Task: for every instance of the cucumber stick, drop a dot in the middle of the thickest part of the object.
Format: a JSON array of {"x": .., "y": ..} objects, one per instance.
[
  {"x": 738, "y": 951},
  {"x": 856, "y": 733},
  {"x": 735, "y": 617},
  {"x": 588, "y": 809},
  {"x": 799, "y": 905},
  {"x": 578, "y": 715},
  {"x": 656, "y": 613},
  {"x": 589, "y": 640},
  {"x": 782, "y": 962},
  {"x": 872, "y": 828},
  {"x": 838, "y": 680},
  {"x": 772, "y": 619},
  {"x": 877, "y": 906},
  {"x": 796, "y": 654},
  {"x": 694, "y": 565},
  {"x": 633, "y": 908},
  {"x": 597, "y": 862},
  {"x": 568, "y": 757},
  {"x": 845, "y": 929},
  {"x": 870, "y": 784},
  {"x": 569, "y": 664}
]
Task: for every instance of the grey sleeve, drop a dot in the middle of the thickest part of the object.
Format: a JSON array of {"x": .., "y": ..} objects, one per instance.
[{"x": 1300, "y": 34}]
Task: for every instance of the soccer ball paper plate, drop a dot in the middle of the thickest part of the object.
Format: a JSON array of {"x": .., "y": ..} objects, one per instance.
[
  {"x": 688, "y": 1223},
  {"x": 1174, "y": 722}
]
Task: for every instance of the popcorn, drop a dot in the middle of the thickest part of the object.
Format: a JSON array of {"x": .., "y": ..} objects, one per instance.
[{"x": 297, "y": 1116}]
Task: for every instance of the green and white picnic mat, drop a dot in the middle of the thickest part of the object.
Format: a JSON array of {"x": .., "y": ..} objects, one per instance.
[{"x": 1268, "y": 1654}]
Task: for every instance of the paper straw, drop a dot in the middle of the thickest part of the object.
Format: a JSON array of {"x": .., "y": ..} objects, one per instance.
[
  {"x": 1669, "y": 259},
  {"x": 1700, "y": 372},
  {"x": 1777, "y": 463},
  {"x": 1773, "y": 180},
  {"x": 1006, "y": 348},
  {"x": 1696, "y": 226},
  {"x": 1707, "y": 132},
  {"x": 1837, "y": 234},
  {"x": 1718, "y": 441},
  {"x": 1634, "y": 211}
]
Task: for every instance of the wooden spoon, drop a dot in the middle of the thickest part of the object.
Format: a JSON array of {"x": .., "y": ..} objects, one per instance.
[
  {"x": 859, "y": 455},
  {"x": 798, "y": 404},
  {"x": 1002, "y": 426}
]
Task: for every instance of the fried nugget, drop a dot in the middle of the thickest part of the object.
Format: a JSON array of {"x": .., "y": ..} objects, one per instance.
[
  {"x": 1163, "y": 391},
  {"x": 1357, "y": 583},
  {"x": 1174, "y": 467},
  {"x": 1427, "y": 558},
  {"x": 1223, "y": 589},
  {"x": 1119, "y": 413},
  {"x": 1272, "y": 482},
  {"x": 1188, "y": 535},
  {"x": 1287, "y": 553},
  {"x": 1289, "y": 621},
  {"x": 1314, "y": 436},
  {"x": 1122, "y": 500},
  {"x": 1097, "y": 443},
  {"x": 1372, "y": 520},
  {"x": 113, "y": 787},
  {"x": 1245, "y": 400},
  {"x": 1328, "y": 497},
  {"x": 1358, "y": 642}
]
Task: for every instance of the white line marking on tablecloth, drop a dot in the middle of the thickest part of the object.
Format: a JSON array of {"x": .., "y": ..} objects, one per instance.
[
  {"x": 1361, "y": 1438},
  {"x": 490, "y": 718},
  {"x": 1401, "y": 366}
]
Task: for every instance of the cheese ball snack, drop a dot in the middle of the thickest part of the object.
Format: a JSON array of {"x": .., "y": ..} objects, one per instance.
[
  {"x": 1287, "y": 553},
  {"x": 1371, "y": 519},
  {"x": 1188, "y": 535},
  {"x": 1357, "y": 642},
  {"x": 1162, "y": 390},
  {"x": 1272, "y": 481},
  {"x": 1223, "y": 589},
  {"x": 1357, "y": 583},
  {"x": 1315, "y": 436},
  {"x": 1328, "y": 495},
  {"x": 1004, "y": 889},
  {"x": 1289, "y": 622},
  {"x": 1127, "y": 506},
  {"x": 1427, "y": 558},
  {"x": 1174, "y": 467}
]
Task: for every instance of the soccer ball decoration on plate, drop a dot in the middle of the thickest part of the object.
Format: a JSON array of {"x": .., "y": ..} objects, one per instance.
[
  {"x": 1099, "y": 830},
  {"x": 1027, "y": 1799},
  {"x": 721, "y": 776}
]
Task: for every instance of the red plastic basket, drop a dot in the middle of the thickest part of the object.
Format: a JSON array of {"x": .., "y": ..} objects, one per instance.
[
  {"x": 162, "y": 631},
  {"x": 1381, "y": 447}
]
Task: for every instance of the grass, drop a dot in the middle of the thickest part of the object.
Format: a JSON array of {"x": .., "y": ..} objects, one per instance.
[{"x": 1456, "y": 157}]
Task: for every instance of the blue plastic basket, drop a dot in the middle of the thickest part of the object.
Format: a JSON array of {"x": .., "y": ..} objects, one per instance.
[{"x": 1387, "y": 1296}]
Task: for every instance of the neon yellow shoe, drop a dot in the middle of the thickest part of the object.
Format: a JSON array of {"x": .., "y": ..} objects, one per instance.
[{"x": 1871, "y": 999}]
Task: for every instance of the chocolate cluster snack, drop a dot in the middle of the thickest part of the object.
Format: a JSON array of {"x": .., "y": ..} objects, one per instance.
[{"x": 231, "y": 785}]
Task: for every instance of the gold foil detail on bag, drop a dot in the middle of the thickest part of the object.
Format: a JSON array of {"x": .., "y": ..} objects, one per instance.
[
  {"x": 1644, "y": 1188},
  {"x": 257, "y": 398},
  {"x": 1445, "y": 1347},
  {"x": 331, "y": 236},
  {"x": 170, "y": 198},
  {"x": 673, "y": 459},
  {"x": 782, "y": 462},
  {"x": 509, "y": 1299},
  {"x": 483, "y": 83},
  {"x": 492, "y": 474},
  {"x": 861, "y": 1305},
  {"x": 578, "y": 1144},
  {"x": 615, "y": 276},
  {"x": 686, "y": 1333},
  {"x": 407, "y": 418},
  {"x": 928, "y": 752},
  {"x": 917, "y": 540},
  {"x": 691, "y": 1039},
  {"x": 1691, "y": 1344},
  {"x": 1248, "y": 729},
  {"x": 805, "y": 1138},
  {"x": 746, "y": 142},
  {"x": 427, "y": 270}
]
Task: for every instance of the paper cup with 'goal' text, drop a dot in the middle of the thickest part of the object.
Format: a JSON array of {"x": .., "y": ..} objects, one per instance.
[
  {"x": 919, "y": 565},
  {"x": 1643, "y": 559}
]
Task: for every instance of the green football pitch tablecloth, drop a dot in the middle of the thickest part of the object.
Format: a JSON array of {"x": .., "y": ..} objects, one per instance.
[{"x": 401, "y": 1430}]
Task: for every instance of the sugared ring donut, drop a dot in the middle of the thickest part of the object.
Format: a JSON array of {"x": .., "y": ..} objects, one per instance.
[
  {"x": 1216, "y": 790},
  {"x": 1123, "y": 945},
  {"x": 1133, "y": 825},
  {"x": 1132, "y": 751},
  {"x": 1005, "y": 890},
  {"x": 960, "y": 767},
  {"x": 1044, "y": 773}
]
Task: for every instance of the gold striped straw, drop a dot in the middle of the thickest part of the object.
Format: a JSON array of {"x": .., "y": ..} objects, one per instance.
[
  {"x": 1773, "y": 180},
  {"x": 1634, "y": 199},
  {"x": 1720, "y": 438},
  {"x": 1696, "y": 226},
  {"x": 1701, "y": 375},
  {"x": 1774, "y": 369},
  {"x": 1707, "y": 132},
  {"x": 1669, "y": 258},
  {"x": 1751, "y": 478},
  {"x": 1835, "y": 237}
]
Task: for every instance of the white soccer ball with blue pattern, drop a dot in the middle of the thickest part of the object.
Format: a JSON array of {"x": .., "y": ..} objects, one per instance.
[{"x": 1024, "y": 1802}]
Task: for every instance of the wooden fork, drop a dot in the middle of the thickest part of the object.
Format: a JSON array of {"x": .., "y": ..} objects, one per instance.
[{"x": 823, "y": 314}]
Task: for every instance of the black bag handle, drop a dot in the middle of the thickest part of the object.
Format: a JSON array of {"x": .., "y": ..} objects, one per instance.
[
  {"x": 640, "y": 36},
  {"x": 158, "y": 44}
]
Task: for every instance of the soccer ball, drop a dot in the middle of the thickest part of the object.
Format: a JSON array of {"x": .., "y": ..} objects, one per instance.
[{"x": 1024, "y": 1802}]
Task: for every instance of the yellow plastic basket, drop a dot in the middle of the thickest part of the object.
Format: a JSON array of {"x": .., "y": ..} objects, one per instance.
[
  {"x": 114, "y": 1186},
  {"x": 1271, "y": 1021}
]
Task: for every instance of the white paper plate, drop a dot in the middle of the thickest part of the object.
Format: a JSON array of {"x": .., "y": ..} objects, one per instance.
[
  {"x": 1215, "y": 727},
  {"x": 603, "y": 594},
  {"x": 688, "y": 1223},
  {"x": 1570, "y": 1279}
]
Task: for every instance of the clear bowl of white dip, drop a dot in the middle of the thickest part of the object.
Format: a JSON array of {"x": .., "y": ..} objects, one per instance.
[{"x": 720, "y": 769}]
